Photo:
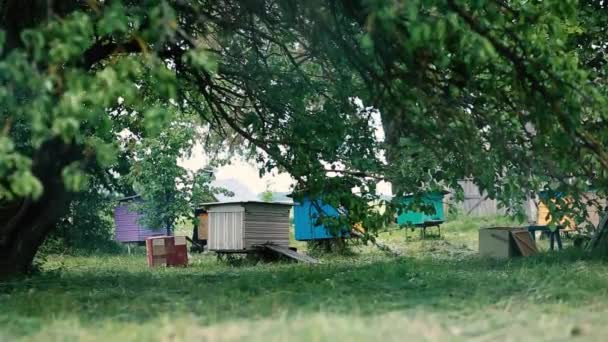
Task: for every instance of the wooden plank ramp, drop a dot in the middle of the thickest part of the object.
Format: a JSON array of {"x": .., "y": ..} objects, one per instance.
[
  {"x": 290, "y": 253},
  {"x": 524, "y": 242}
]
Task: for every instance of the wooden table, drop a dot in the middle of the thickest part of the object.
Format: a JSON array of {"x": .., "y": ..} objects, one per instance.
[{"x": 554, "y": 235}]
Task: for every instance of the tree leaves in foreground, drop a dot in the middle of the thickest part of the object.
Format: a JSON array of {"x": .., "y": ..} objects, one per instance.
[{"x": 509, "y": 93}]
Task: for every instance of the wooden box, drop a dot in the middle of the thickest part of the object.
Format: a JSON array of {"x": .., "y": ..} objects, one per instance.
[
  {"x": 497, "y": 242},
  {"x": 179, "y": 255},
  {"x": 167, "y": 251},
  {"x": 157, "y": 249}
]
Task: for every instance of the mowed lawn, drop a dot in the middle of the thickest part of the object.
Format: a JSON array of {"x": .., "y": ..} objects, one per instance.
[{"x": 438, "y": 290}]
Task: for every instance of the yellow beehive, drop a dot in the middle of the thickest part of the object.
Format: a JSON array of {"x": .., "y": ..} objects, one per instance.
[
  {"x": 544, "y": 218},
  {"x": 359, "y": 227},
  {"x": 203, "y": 226}
]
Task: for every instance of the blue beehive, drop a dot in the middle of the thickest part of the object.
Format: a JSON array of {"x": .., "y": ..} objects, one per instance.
[{"x": 305, "y": 216}]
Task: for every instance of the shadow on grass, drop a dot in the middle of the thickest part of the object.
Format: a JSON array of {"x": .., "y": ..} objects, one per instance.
[{"x": 137, "y": 294}]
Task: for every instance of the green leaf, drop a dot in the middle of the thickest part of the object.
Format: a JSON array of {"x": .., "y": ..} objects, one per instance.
[
  {"x": 199, "y": 58},
  {"x": 114, "y": 20},
  {"x": 74, "y": 178},
  {"x": 24, "y": 184},
  {"x": 66, "y": 127},
  {"x": 106, "y": 153},
  {"x": 155, "y": 119}
]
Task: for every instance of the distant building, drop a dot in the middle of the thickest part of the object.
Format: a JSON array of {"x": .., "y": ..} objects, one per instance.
[{"x": 127, "y": 220}]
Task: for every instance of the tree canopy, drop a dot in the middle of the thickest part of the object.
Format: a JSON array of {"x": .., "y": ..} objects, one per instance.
[{"x": 508, "y": 93}]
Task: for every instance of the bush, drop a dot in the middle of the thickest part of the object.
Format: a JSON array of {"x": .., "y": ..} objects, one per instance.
[{"x": 87, "y": 228}]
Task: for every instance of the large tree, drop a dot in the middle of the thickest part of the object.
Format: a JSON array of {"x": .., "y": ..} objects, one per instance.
[{"x": 510, "y": 93}]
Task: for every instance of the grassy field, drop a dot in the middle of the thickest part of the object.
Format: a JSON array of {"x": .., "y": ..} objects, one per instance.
[{"x": 438, "y": 290}]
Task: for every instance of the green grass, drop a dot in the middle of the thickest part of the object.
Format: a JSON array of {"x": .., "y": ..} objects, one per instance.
[{"x": 439, "y": 290}]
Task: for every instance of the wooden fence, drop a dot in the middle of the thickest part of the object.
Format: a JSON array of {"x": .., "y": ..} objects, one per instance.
[{"x": 477, "y": 203}]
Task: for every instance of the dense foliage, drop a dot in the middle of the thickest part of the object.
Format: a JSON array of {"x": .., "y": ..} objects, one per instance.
[
  {"x": 509, "y": 93},
  {"x": 88, "y": 227}
]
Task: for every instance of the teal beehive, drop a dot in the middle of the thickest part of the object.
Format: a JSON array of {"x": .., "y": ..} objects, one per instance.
[{"x": 419, "y": 217}]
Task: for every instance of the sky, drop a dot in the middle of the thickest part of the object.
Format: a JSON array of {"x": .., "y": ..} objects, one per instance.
[{"x": 243, "y": 172}]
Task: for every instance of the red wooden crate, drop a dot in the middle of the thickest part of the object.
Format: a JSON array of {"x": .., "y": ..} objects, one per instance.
[
  {"x": 167, "y": 251},
  {"x": 158, "y": 248},
  {"x": 179, "y": 255}
]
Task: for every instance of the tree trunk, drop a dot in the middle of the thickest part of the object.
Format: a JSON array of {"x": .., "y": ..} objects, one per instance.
[
  {"x": 25, "y": 223},
  {"x": 599, "y": 242},
  {"x": 17, "y": 252}
]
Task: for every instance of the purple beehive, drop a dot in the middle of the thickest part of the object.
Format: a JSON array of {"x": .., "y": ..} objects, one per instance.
[{"x": 128, "y": 228}]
